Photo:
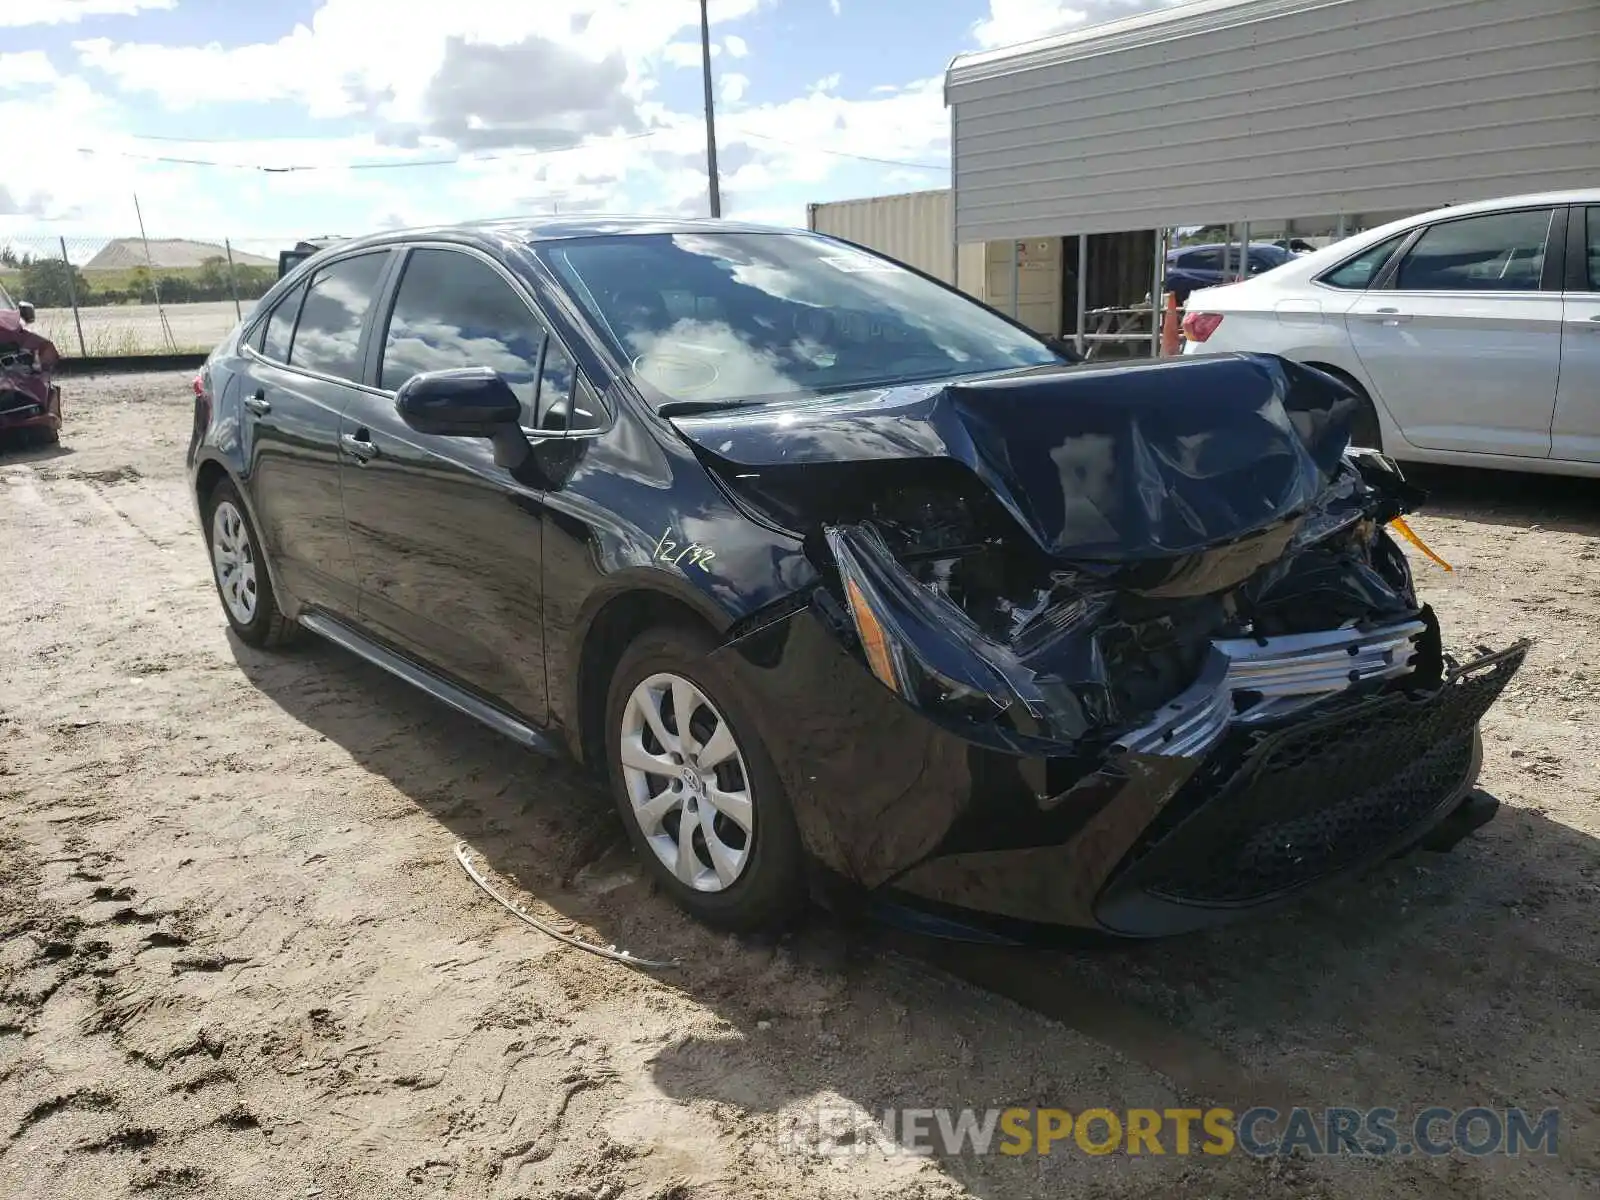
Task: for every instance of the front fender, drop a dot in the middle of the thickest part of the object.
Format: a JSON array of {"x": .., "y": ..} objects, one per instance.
[{"x": 661, "y": 538}]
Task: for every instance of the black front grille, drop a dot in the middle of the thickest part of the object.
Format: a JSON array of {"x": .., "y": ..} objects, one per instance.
[{"x": 1316, "y": 796}]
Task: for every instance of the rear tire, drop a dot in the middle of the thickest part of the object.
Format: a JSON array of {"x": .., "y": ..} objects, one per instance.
[
  {"x": 239, "y": 569},
  {"x": 737, "y": 864}
]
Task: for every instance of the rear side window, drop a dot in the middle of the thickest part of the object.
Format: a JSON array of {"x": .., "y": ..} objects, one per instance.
[
  {"x": 453, "y": 310},
  {"x": 280, "y": 326},
  {"x": 1201, "y": 260},
  {"x": 1361, "y": 270},
  {"x": 1497, "y": 252},
  {"x": 328, "y": 337}
]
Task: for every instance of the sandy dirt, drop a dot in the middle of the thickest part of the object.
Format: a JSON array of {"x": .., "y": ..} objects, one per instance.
[{"x": 239, "y": 957}]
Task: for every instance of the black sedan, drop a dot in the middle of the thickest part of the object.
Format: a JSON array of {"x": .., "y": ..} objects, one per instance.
[{"x": 849, "y": 585}]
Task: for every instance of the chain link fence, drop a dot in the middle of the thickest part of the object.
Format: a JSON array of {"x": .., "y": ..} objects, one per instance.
[{"x": 131, "y": 295}]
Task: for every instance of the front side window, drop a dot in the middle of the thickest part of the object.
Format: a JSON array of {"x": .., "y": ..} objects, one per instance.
[
  {"x": 1360, "y": 271},
  {"x": 555, "y": 387},
  {"x": 328, "y": 337},
  {"x": 1497, "y": 252},
  {"x": 280, "y": 326},
  {"x": 453, "y": 310},
  {"x": 725, "y": 318},
  {"x": 1201, "y": 260}
]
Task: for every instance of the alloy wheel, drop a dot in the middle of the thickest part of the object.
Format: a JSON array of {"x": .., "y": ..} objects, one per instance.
[
  {"x": 234, "y": 559},
  {"x": 686, "y": 782}
]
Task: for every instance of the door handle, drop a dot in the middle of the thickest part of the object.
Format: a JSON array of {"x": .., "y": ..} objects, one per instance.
[
  {"x": 1388, "y": 316},
  {"x": 259, "y": 404},
  {"x": 358, "y": 446}
]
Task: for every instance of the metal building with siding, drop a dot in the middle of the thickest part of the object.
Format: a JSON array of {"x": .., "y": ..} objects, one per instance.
[
  {"x": 1034, "y": 279},
  {"x": 913, "y": 227},
  {"x": 1233, "y": 111}
]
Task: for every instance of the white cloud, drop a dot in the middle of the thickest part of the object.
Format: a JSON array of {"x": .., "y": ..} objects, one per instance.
[
  {"x": 827, "y": 83},
  {"x": 834, "y": 5},
  {"x": 1012, "y": 21},
  {"x": 686, "y": 54},
  {"x": 803, "y": 138},
  {"x": 490, "y": 81},
  {"x": 336, "y": 67},
  {"x": 20, "y": 205},
  {"x": 26, "y": 68},
  {"x": 16, "y": 13}
]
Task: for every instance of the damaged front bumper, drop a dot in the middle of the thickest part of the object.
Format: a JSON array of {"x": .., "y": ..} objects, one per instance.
[
  {"x": 28, "y": 398},
  {"x": 1147, "y": 836},
  {"x": 1111, "y": 760},
  {"x": 24, "y": 410}
]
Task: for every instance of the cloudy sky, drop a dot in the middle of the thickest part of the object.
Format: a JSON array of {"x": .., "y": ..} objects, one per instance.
[{"x": 472, "y": 108}]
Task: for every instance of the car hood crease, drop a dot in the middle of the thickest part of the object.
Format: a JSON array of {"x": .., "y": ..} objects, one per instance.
[{"x": 1114, "y": 465}]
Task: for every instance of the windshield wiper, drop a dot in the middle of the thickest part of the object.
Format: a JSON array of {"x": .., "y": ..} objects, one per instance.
[{"x": 688, "y": 408}]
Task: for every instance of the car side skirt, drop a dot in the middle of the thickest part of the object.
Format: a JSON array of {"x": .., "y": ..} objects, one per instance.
[{"x": 438, "y": 687}]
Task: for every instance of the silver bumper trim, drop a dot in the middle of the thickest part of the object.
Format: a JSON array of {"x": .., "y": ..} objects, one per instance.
[{"x": 1247, "y": 680}]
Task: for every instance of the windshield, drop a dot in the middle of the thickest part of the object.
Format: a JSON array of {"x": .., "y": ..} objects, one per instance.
[{"x": 721, "y": 318}]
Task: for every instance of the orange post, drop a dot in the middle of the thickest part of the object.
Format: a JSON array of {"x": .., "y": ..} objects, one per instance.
[{"x": 1170, "y": 321}]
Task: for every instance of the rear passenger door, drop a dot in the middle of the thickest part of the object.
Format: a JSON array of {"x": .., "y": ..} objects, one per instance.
[
  {"x": 1575, "y": 431},
  {"x": 1463, "y": 339},
  {"x": 305, "y": 361},
  {"x": 447, "y": 544}
]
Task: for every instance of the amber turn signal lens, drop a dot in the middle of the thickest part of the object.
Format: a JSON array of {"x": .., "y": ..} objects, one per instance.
[{"x": 873, "y": 639}]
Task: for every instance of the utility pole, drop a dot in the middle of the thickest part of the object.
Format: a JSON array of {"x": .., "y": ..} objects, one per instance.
[{"x": 711, "y": 120}]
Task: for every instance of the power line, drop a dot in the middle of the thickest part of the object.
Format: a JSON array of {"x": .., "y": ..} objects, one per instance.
[
  {"x": 389, "y": 165},
  {"x": 891, "y": 162},
  {"x": 462, "y": 159}
]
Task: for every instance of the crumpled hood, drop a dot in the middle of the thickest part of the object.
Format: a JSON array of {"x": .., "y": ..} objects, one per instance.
[
  {"x": 1115, "y": 463},
  {"x": 33, "y": 381}
]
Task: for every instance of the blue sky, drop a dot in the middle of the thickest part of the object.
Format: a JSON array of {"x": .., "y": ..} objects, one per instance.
[{"x": 542, "y": 105}]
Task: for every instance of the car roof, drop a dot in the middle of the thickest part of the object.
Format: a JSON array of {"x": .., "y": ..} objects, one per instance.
[
  {"x": 1583, "y": 196},
  {"x": 1317, "y": 261},
  {"x": 506, "y": 232}
]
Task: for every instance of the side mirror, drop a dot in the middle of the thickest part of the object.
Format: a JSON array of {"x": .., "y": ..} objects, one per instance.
[
  {"x": 25, "y": 311},
  {"x": 466, "y": 402}
]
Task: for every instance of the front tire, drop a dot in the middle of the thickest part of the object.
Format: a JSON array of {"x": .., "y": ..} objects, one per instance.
[
  {"x": 239, "y": 570},
  {"x": 696, "y": 788}
]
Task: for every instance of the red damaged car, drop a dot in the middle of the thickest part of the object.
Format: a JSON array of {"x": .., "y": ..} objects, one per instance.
[{"x": 30, "y": 404}]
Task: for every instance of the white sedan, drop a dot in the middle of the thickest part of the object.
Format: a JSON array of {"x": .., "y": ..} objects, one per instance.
[{"x": 1473, "y": 332}]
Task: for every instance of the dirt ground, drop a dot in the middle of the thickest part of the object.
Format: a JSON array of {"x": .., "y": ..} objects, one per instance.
[{"x": 239, "y": 957}]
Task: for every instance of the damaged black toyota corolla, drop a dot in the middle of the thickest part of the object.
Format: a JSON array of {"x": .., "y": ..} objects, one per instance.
[{"x": 848, "y": 583}]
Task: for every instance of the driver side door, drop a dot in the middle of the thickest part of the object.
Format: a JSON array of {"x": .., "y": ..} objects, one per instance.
[{"x": 448, "y": 546}]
